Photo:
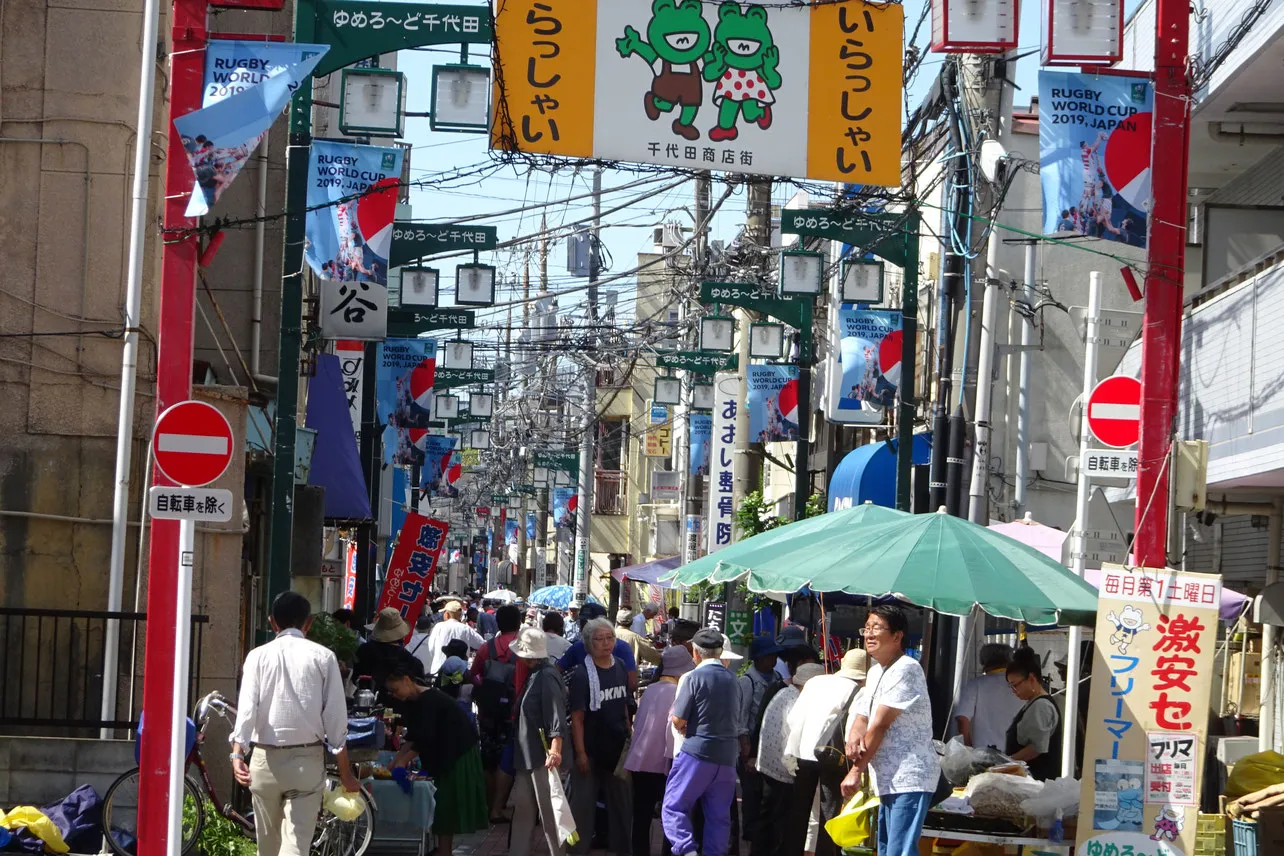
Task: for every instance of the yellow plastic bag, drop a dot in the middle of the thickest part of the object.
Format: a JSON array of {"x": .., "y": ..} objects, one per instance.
[
  {"x": 343, "y": 805},
  {"x": 852, "y": 826},
  {"x": 1255, "y": 772},
  {"x": 39, "y": 825}
]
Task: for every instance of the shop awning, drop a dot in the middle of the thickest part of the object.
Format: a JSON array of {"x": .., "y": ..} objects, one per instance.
[
  {"x": 336, "y": 464},
  {"x": 868, "y": 473}
]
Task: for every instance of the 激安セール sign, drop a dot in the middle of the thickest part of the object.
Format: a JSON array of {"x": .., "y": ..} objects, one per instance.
[{"x": 809, "y": 91}]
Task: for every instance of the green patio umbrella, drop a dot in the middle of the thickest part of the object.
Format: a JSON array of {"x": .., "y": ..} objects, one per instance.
[{"x": 732, "y": 562}]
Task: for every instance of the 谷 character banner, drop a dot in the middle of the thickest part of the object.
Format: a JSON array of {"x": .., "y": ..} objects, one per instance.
[
  {"x": 247, "y": 85},
  {"x": 773, "y": 403},
  {"x": 413, "y": 566},
  {"x": 352, "y": 197},
  {"x": 868, "y": 345},
  {"x": 808, "y": 90},
  {"x": 1094, "y": 154},
  {"x": 1147, "y": 723}
]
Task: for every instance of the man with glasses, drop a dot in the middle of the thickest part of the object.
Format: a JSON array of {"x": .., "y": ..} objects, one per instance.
[{"x": 891, "y": 735}]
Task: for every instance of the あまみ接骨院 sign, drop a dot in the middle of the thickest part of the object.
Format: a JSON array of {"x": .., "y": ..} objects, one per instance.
[{"x": 808, "y": 91}]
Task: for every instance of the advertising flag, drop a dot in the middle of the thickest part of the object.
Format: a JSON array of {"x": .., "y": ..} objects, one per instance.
[
  {"x": 773, "y": 403},
  {"x": 247, "y": 85},
  {"x": 1094, "y": 154},
  {"x": 438, "y": 450},
  {"x": 721, "y": 467},
  {"x": 701, "y": 429},
  {"x": 352, "y": 197},
  {"x": 564, "y": 502},
  {"x": 531, "y": 524},
  {"x": 413, "y": 566},
  {"x": 867, "y": 343},
  {"x": 805, "y": 90},
  {"x": 1147, "y": 725},
  {"x": 510, "y": 532},
  {"x": 405, "y": 370}
]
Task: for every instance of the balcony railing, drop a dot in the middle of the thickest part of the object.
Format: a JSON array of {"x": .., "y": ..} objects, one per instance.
[{"x": 610, "y": 492}]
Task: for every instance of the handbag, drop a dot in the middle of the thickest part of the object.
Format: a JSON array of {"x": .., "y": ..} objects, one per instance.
[
  {"x": 832, "y": 751},
  {"x": 854, "y": 825}
]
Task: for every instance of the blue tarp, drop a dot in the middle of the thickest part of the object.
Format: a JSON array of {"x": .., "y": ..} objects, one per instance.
[
  {"x": 336, "y": 464},
  {"x": 868, "y": 473}
]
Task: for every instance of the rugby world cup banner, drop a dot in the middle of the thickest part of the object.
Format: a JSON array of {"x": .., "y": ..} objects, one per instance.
[
  {"x": 405, "y": 370},
  {"x": 773, "y": 403},
  {"x": 247, "y": 85},
  {"x": 438, "y": 450},
  {"x": 565, "y": 500},
  {"x": 867, "y": 343},
  {"x": 352, "y": 197},
  {"x": 701, "y": 430},
  {"x": 1094, "y": 154},
  {"x": 804, "y": 90}
]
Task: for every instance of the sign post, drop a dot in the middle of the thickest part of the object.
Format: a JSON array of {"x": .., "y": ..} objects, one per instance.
[{"x": 192, "y": 445}]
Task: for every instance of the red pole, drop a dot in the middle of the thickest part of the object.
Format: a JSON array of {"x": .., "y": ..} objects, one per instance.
[
  {"x": 1166, "y": 265},
  {"x": 173, "y": 384}
]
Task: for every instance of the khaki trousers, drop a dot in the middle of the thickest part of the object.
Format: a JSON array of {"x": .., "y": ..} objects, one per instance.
[
  {"x": 532, "y": 798},
  {"x": 287, "y": 786}
]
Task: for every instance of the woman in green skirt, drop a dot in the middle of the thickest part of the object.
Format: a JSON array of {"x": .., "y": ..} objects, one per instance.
[{"x": 441, "y": 734}]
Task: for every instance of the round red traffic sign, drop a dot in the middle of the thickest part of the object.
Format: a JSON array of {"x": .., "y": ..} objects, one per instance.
[
  {"x": 192, "y": 443},
  {"x": 1114, "y": 411}
]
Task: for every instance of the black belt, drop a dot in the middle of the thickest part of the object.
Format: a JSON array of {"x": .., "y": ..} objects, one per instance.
[{"x": 290, "y": 746}]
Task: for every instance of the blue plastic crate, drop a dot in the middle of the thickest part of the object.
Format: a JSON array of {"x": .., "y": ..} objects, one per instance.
[{"x": 1244, "y": 834}]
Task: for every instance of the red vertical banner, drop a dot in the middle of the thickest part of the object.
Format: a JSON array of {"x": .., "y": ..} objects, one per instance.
[
  {"x": 413, "y": 566},
  {"x": 350, "y": 576}
]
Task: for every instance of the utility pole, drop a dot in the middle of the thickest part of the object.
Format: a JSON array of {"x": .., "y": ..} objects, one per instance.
[
  {"x": 748, "y": 465},
  {"x": 1165, "y": 273},
  {"x": 539, "y": 561},
  {"x": 1024, "y": 364},
  {"x": 583, "y": 514},
  {"x": 693, "y": 485}
]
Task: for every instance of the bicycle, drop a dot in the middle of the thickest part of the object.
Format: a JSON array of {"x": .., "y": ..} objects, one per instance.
[{"x": 333, "y": 837}]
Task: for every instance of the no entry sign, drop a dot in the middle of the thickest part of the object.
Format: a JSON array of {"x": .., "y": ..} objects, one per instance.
[
  {"x": 1114, "y": 411},
  {"x": 192, "y": 443}
]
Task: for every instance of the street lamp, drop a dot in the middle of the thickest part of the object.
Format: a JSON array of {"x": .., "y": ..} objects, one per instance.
[
  {"x": 457, "y": 354},
  {"x": 445, "y": 407},
  {"x": 862, "y": 281},
  {"x": 540, "y": 475},
  {"x": 766, "y": 340},
  {"x": 460, "y": 98},
  {"x": 479, "y": 439},
  {"x": 563, "y": 479},
  {"x": 475, "y": 285},
  {"x": 802, "y": 273},
  {"x": 481, "y": 404},
  {"x": 668, "y": 390},
  {"x": 419, "y": 287},
  {"x": 702, "y": 396},
  {"x": 370, "y": 102},
  {"x": 717, "y": 333}
]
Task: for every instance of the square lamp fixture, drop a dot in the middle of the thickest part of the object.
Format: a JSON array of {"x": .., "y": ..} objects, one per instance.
[
  {"x": 370, "y": 102},
  {"x": 445, "y": 407},
  {"x": 802, "y": 273},
  {"x": 460, "y": 98},
  {"x": 563, "y": 479},
  {"x": 974, "y": 26},
  {"x": 862, "y": 281},
  {"x": 481, "y": 404},
  {"x": 668, "y": 390},
  {"x": 515, "y": 501},
  {"x": 457, "y": 354},
  {"x": 1084, "y": 31},
  {"x": 419, "y": 287},
  {"x": 702, "y": 396},
  {"x": 479, "y": 439},
  {"x": 540, "y": 476},
  {"x": 475, "y": 285},
  {"x": 766, "y": 341},
  {"x": 717, "y": 333}
]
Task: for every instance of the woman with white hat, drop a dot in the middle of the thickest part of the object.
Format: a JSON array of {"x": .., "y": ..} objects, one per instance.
[{"x": 542, "y": 729}]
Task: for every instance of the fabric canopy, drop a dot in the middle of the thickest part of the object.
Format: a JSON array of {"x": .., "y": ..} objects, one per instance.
[
  {"x": 649, "y": 572},
  {"x": 336, "y": 464}
]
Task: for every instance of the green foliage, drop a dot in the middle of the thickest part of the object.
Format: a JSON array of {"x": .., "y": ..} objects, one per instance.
[
  {"x": 333, "y": 635},
  {"x": 219, "y": 836}
]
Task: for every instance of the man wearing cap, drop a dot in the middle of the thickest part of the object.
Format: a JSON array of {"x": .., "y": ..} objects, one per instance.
[
  {"x": 573, "y": 622},
  {"x": 794, "y": 651},
  {"x": 754, "y": 683},
  {"x": 450, "y": 628},
  {"x": 376, "y": 658},
  {"x": 777, "y": 778},
  {"x": 643, "y": 650},
  {"x": 818, "y": 727},
  {"x": 704, "y": 769}
]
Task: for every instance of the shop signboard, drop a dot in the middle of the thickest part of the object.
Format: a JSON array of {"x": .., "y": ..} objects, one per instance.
[
  {"x": 1147, "y": 725},
  {"x": 804, "y": 90},
  {"x": 721, "y": 461}
]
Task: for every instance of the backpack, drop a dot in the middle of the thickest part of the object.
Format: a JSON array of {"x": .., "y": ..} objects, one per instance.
[
  {"x": 498, "y": 688},
  {"x": 755, "y": 733}
]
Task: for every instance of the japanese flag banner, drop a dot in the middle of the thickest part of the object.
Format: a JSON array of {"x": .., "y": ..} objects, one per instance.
[
  {"x": 1152, "y": 674},
  {"x": 413, "y": 566}
]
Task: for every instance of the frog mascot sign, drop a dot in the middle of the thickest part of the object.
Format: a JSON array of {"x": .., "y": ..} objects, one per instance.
[{"x": 751, "y": 86}]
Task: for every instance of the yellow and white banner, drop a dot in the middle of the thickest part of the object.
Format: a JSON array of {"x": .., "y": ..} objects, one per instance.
[{"x": 807, "y": 91}]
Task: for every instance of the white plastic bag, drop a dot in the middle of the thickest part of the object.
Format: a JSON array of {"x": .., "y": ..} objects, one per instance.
[
  {"x": 1059, "y": 795},
  {"x": 960, "y": 762},
  {"x": 1000, "y": 795}
]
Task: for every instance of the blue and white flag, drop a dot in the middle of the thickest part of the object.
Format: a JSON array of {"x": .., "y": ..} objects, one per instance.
[
  {"x": 701, "y": 430},
  {"x": 247, "y": 85},
  {"x": 352, "y": 198},
  {"x": 438, "y": 450},
  {"x": 773, "y": 403}
]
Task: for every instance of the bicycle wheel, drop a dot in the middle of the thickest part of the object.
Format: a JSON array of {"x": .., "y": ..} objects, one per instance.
[
  {"x": 335, "y": 837},
  {"x": 120, "y": 815}
]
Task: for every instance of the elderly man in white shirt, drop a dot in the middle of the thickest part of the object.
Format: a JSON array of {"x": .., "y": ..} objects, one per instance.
[
  {"x": 291, "y": 710},
  {"x": 648, "y": 613},
  {"x": 447, "y": 630}
]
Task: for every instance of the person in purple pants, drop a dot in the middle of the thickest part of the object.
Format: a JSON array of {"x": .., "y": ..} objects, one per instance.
[{"x": 705, "y": 711}]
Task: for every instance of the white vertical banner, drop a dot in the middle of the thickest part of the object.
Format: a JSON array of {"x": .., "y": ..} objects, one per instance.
[
  {"x": 352, "y": 361},
  {"x": 722, "y": 460}
]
